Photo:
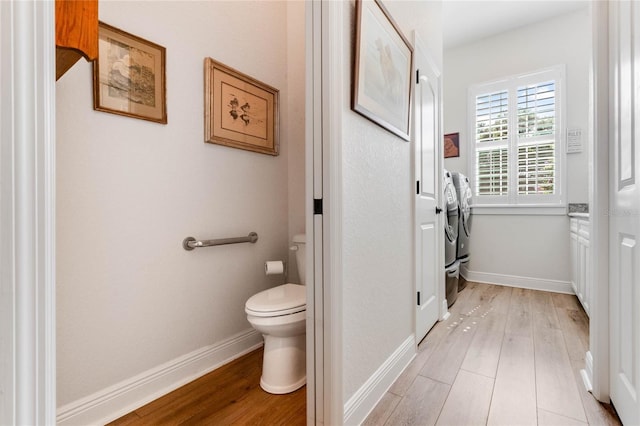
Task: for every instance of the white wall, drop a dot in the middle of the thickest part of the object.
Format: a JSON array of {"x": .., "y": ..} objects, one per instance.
[
  {"x": 129, "y": 191},
  {"x": 377, "y": 190},
  {"x": 524, "y": 246}
]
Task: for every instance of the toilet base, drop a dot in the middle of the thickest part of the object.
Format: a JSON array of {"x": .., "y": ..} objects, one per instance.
[
  {"x": 284, "y": 367},
  {"x": 281, "y": 390}
]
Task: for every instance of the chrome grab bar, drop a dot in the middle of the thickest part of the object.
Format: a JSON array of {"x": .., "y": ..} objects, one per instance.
[{"x": 191, "y": 243}]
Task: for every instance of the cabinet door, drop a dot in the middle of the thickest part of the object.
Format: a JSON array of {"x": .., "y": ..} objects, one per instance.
[
  {"x": 573, "y": 247},
  {"x": 587, "y": 278},
  {"x": 583, "y": 259},
  {"x": 583, "y": 242}
]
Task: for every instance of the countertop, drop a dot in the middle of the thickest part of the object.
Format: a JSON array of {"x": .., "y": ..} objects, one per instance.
[{"x": 579, "y": 215}]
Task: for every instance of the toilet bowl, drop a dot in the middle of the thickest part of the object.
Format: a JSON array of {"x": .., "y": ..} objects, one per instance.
[{"x": 279, "y": 313}]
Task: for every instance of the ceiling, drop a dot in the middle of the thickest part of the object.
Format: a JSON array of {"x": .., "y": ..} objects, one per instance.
[{"x": 468, "y": 20}]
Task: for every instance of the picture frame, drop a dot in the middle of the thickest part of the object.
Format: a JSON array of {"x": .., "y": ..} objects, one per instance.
[
  {"x": 452, "y": 145},
  {"x": 240, "y": 111},
  {"x": 383, "y": 64},
  {"x": 129, "y": 76}
]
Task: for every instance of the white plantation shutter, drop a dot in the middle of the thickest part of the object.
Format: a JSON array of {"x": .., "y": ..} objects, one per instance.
[
  {"x": 492, "y": 117},
  {"x": 536, "y": 169},
  {"x": 516, "y": 156},
  {"x": 536, "y": 138},
  {"x": 492, "y": 135},
  {"x": 492, "y": 173}
]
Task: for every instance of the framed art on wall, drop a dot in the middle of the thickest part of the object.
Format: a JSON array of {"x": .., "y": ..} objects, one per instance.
[
  {"x": 382, "y": 69},
  {"x": 452, "y": 145},
  {"x": 240, "y": 111},
  {"x": 129, "y": 76}
]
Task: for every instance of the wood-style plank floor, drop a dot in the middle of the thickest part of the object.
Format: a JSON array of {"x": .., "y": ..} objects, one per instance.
[
  {"x": 228, "y": 395},
  {"x": 505, "y": 356}
]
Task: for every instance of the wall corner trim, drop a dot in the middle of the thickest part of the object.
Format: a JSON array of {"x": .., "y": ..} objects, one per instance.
[
  {"x": 365, "y": 399},
  {"x": 587, "y": 372},
  {"x": 115, "y": 401}
]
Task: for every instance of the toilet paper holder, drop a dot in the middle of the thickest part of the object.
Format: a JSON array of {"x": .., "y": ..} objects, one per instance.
[{"x": 275, "y": 267}]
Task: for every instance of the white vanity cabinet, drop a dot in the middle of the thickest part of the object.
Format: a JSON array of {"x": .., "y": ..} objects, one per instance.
[{"x": 580, "y": 259}]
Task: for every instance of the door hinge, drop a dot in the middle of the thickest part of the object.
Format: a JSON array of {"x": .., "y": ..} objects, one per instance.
[
  {"x": 438, "y": 210},
  {"x": 417, "y": 76},
  {"x": 417, "y": 187},
  {"x": 317, "y": 206},
  {"x": 418, "y": 298}
]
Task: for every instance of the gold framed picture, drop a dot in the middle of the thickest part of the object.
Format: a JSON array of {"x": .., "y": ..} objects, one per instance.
[
  {"x": 129, "y": 76},
  {"x": 239, "y": 111}
]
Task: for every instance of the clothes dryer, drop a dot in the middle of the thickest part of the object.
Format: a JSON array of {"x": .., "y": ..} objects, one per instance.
[
  {"x": 463, "y": 192},
  {"x": 451, "y": 210},
  {"x": 450, "y": 202}
]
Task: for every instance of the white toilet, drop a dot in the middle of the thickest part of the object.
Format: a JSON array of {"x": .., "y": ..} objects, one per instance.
[{"x": 279, "y": 314}]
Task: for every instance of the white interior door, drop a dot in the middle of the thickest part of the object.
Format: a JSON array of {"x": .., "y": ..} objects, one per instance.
[
  {"x": 624, "y": 206},
  {"x": 427, "y": 137}
]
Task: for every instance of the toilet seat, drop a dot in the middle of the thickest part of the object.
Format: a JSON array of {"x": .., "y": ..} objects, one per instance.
[{"x": 284, "y": 299}]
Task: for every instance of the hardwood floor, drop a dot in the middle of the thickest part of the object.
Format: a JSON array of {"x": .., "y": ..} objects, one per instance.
[
  {"x": 505, "y": 356},
  {"x": 228, "y": 395}
]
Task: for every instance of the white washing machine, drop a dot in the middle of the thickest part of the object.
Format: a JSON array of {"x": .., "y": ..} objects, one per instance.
[
  {"x": 451, "y": 264},
  {"x": 463, "y": 191}
]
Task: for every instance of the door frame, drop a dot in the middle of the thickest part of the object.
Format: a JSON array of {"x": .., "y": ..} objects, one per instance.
[
  {"x": 324, "y": 38},
  {"x": 28, "y": 194},
  {"x": 29, "y": 200},
  {"x": 27, "y": 247},
  {"x": 443, "y": 311},
  {"x": 596, "y": 372}
]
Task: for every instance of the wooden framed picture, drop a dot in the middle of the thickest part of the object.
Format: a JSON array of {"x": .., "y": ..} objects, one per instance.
[
  {"x": 129, "y": 76},
  {"x": 382, "y": 69},
  {"x": 451, "y": 145},
  {"x": 239, "y": 111}
]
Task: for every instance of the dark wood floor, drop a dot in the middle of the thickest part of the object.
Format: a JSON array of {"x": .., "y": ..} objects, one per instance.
[
  {"x": 228, "y": 395},
  {"x": 506, "y": 356}
]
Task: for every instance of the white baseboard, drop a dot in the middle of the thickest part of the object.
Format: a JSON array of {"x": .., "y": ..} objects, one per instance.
[
  {"x": 444, "y": 310},
  {"x": 367, "y": 397},
  {"x": 128, "y": 395},
  {"x": 520, "y": 282},
  {"x": 587, "y": 372}
]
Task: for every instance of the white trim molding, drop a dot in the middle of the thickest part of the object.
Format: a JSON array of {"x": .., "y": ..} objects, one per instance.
[
  {"x": 539, "y": 210},
  {"x": 27, "y": 213},
  {"x": 599, "y": 178},
  {"x": 367, "y": 397},
  {"x": 587, "y": 372},
  {"x": 333, "y": 95},
  {"x": 117, "y": 400},
  {"x": 554, "y": 286}
]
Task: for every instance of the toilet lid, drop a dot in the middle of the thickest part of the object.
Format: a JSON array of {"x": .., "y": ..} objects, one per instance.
[{"x": 282, "y": 300}]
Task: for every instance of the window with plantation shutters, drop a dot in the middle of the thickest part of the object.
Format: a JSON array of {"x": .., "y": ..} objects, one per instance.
[
  {"x": 491, "y": 133},
  {"x": 536, "y": 138},
  {"x": 516, "y": 139}
]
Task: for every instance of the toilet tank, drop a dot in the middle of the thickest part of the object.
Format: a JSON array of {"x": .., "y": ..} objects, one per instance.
[{"x": 299, "y": 241}]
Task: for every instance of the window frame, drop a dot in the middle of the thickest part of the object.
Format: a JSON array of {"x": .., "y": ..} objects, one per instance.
[{"x": 512, "y": 202}]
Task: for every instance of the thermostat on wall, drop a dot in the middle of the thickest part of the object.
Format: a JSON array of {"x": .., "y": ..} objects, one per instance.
[{"x": 574, "y": 140}]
